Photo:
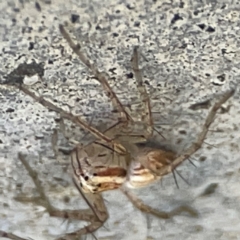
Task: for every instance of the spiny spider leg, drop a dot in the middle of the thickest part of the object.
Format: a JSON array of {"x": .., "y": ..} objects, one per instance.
[
  {"x": 138, "y": 203},
  {"x": 75, "y": 119},
  {"x": 200, "y": 139},
  {"x": 96, "y": 215},
  {"x": 11, "y": 236},
  {"x": 146, "y": 114},
  {"x": 102, "y": 77}
]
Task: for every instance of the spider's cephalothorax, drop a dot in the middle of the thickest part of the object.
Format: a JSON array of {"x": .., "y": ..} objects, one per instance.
[{"x": 119, "y": 157}]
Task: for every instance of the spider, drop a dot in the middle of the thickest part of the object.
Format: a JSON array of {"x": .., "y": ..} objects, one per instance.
[{"x": 119, "y": 157}]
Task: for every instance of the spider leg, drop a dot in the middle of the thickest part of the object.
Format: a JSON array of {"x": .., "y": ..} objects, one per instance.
[
  {"x": 11, "y": 236},
  {"x": 101, "y": 77},
  {"x": 146, "y": 114},
  {"x": 200, "y": 139},
  {"x": 75, "y": 119},
  {"x": 138, "y": 203},
  {"x": 96, "y": 215}
]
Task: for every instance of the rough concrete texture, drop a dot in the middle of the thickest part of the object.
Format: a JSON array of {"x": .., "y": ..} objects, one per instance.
[{"x": 190, "y": 54}]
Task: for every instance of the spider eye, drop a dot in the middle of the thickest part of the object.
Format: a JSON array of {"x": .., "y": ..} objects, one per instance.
[
  {"x": 94, "y": 174},
  {"x": 86, "y": 178}
]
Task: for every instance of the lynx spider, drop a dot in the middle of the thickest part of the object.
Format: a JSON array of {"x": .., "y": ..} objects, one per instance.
[{"x": 132, "y": 162}]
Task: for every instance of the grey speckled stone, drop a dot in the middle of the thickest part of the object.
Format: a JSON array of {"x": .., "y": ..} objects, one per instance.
[{"x": 190, "y": 54}]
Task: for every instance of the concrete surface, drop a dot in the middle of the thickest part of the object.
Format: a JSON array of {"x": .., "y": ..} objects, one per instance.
[{"x": 190, "y": 54}]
